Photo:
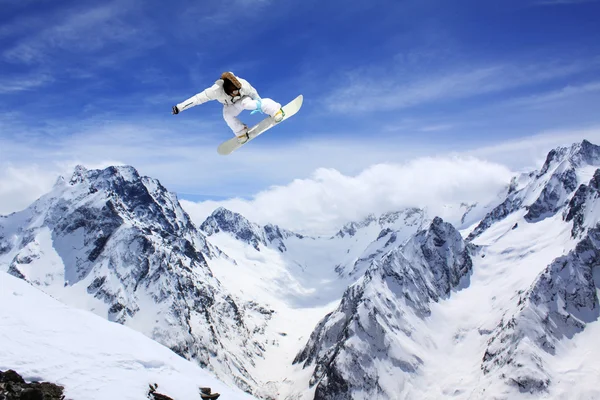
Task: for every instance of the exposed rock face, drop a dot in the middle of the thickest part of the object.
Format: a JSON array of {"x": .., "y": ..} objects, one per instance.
[
  {"x": 14, "y": 387},
  {"x": 583, "y": 204},
  {"x": 554, "y": 195}
]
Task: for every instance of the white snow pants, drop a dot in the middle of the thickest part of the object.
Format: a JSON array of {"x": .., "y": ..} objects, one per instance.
[{"x": 230, "y": 112}]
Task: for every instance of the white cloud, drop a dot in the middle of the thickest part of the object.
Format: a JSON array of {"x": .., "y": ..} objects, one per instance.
[
  {"x": 328, "y": 199},
  {"x": 206, "y": 16}
]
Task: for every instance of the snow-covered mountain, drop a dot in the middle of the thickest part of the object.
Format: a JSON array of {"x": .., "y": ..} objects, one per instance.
[
  {"x": 498, "y": 300},
  {"x": 370, "y": 343},
  {"x": 120, "y": 245},
  {"x": 510, "y": 328}
]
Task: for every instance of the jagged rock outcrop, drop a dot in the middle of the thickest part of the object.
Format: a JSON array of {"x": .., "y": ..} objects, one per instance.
[
  {"x": 14, "y": 387},
  {"x": 554, "y": 195}
]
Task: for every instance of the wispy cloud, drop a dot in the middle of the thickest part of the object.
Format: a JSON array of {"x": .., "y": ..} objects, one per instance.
[
  {"x": 183, "y": 153},
  {"x": 436, "y": 128},
  {"x": 23, "y": 83},
  {"x": 206, "y": 16},
  {"x": 565, "y": 93},
  {"x": 359, "y": 93},
  {"x": 76, "y": 30}
]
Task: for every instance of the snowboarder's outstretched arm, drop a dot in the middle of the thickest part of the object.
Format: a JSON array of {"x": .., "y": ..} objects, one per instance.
[{"x": 200, "y": 98}]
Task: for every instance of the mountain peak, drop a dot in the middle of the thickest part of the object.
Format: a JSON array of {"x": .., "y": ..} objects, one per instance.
[
  {"x": 79, "y": 175},
  {"x": 125, "y": 173},
  {"x": 585, "y": 153},
  {"x": 578, "y": 154},
  {"x": 545, "y": 193},
  {"x": 224, "y": 220}
]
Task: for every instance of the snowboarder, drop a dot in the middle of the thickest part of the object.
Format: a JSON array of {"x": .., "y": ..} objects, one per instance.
[{"x": 236, "y": 95}]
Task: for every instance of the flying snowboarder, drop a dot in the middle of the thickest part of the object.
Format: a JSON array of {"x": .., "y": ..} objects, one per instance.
[{"x": 236, "y": 95}]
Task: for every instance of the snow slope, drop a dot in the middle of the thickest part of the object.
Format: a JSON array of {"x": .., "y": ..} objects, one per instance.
[{"x": 94, "y": 359}]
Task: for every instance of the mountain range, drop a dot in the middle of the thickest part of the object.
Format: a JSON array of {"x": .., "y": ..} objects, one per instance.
[{"x": 499, "y": 303}]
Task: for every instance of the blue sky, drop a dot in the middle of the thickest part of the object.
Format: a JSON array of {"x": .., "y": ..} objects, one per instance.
[{"x": 384, "y": 82}]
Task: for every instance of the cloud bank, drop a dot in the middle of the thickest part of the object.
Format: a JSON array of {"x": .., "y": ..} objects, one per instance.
[{"x": 321, "y": 204}]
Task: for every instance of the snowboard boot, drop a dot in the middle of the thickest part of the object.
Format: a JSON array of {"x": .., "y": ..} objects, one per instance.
[
  {"x": 279, "y": 115},
  {"x": 242, "y": 136}
]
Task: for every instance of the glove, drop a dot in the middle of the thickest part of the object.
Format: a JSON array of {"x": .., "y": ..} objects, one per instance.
[
  {"x": 258, "y": 107},
  {"x": 175, "y": 110}
]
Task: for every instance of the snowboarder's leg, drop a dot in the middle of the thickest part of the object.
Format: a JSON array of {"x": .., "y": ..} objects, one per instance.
[
  {"x": 270, "y": 107},
  {"x": 267, "y": 106},
  {"x": 230, "y": 114},
  {"x": 239, "y": 129}
]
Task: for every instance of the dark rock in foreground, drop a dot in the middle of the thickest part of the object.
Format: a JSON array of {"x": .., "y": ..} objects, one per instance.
[{"x": 14, "y": 387}]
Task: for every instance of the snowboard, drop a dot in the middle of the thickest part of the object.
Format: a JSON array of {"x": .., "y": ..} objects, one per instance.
[{"x": 232, "y": 144}]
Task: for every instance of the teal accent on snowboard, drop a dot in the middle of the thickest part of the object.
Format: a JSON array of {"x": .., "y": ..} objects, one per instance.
[{"x": 289, "y": 110}]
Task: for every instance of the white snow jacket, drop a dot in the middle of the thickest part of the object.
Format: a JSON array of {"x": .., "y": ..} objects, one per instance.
[{"x": 216, "y": 92}]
